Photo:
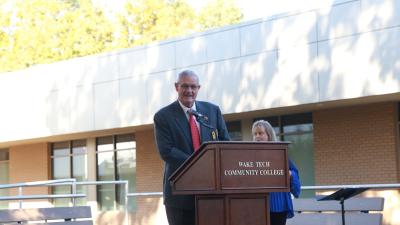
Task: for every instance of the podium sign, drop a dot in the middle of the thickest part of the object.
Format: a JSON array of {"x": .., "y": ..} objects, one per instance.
[
  {"x": 231, "y": 181},
  {"x": 253, "y": 169}
]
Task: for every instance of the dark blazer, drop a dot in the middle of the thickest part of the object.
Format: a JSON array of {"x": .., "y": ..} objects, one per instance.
[{"x": 174, "y": 142}]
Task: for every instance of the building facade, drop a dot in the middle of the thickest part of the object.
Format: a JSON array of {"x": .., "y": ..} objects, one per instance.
[{"x": 327, "y": 78}]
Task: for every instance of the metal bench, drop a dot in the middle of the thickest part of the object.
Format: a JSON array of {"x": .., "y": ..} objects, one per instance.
[
  {"x": 357, "y": 211},
  {"x": 79, "y": 215}
]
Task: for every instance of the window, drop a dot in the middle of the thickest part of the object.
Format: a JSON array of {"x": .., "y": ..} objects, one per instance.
[
  {"x": 398, "y": 113},
  {"x": 4, "y": 179},
  {"x": 116, "y": 160},
  {"x": 69, "y": 160},
  {"x": 398, "y": 131},
  {"x": 235, "y": 130},
  {"x": 298, "y": 129}
]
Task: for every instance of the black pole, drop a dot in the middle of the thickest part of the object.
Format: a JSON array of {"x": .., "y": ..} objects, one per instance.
[
  {"x": 342, "y": 204},
  {"x": 341, "y": 195}
]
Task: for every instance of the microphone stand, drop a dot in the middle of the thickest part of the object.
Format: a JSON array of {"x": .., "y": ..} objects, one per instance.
[{"x": 201, "y": 119}]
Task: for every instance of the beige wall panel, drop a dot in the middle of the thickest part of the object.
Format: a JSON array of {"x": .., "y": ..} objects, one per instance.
[
  {"x": 132, "y": 62},
  {"x": 349, "y": 47},
  {"x": 160, "y": 91}
]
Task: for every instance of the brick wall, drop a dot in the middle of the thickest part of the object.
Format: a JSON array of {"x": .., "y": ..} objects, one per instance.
[
  {"x": 356, "y": 145},
  {"x": 149, "y": 176},
  {"x": 149, "y": 167},
  {"x": 29, "y": 163}
]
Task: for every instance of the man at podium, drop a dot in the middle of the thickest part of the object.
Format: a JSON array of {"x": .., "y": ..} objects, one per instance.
[
  {"x": 180, "y": 128},
  {"x": 281, "y": 205}
]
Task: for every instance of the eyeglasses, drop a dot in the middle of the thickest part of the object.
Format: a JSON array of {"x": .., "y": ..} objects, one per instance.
[{"x": 187, "y": 86}]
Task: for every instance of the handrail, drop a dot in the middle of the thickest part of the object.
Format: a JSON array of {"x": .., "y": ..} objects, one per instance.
[
  {"x": 144, "y": 194},
  {"x": 69, "y": 181},
  {"x": 102, "y": 182},
  {"x": 28, "y": 197},
  {"x": 322, "y": 187},
  {"x": 137, "y": 194},
  {"x": 370, "y": 186},
  {"x": 37, "y": 183},
  {"x": 122, "y": 182}
]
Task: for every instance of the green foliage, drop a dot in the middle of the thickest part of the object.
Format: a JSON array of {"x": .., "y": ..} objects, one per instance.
[
  {"x": 44, "y": 31},
  {"x": 218, "y": 13},
  {"x": 5, "y": 38},
  {"x": 153, "y": 20}
]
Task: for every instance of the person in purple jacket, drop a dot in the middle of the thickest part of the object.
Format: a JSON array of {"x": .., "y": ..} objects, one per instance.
[{"x": 281, "y": 205}]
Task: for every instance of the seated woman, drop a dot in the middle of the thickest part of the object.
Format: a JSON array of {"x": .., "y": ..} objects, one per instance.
[{"x": 281, "y": 205}]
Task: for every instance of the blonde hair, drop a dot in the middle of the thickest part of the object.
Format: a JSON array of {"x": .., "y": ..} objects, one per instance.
[{"x": 267, "y": 127}]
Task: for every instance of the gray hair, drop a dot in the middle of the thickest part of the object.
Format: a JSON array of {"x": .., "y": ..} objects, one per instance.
[
  {"x": 187, "y": 73},
  {"x": 267, "y": 127}
]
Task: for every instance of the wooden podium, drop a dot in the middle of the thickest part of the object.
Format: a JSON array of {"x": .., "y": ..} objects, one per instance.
[{"x": 231, "y": 181}]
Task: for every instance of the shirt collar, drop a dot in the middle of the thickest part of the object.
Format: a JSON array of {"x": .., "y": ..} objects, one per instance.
[{"x": 185, "y": 109}]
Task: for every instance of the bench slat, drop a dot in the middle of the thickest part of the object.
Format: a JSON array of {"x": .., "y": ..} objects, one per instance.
[
  {"x": 17, "y": 215},
  {"x": 353, "y": 204},
  {"x": 60, "y": 223},
  {"x": 335, "y": 219}
]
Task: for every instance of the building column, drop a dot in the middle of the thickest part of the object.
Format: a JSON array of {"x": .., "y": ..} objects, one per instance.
[
  {"x": 92, "y": 167},
  {"x": 246, "y": 129}
]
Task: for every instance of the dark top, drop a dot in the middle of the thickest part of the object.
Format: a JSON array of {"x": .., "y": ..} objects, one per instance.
[{"x": 174, "y": 142}]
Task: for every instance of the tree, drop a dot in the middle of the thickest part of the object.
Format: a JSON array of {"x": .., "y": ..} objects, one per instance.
[
  {"x": 31, "y": 29},
  {"x": 5, "y": 38},
  {"x": 153, "y": 20},
  {"x": 219, "y": 13},
  {"x": 45, "y": 31}
]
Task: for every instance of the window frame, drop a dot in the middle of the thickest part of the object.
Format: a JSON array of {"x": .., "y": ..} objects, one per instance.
[
  {"x": 5, "y": 204},
  {"x": 70, "y": 145},
  {"x": 116, "y": 173},
  {"x": 70, "y": 155},
  {"x": 235, "y": 124},
  {"x": 279, "y": 122}
]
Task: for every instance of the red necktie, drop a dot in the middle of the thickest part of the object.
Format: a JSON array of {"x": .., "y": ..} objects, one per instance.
[{"x": 194, "y": 131}]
